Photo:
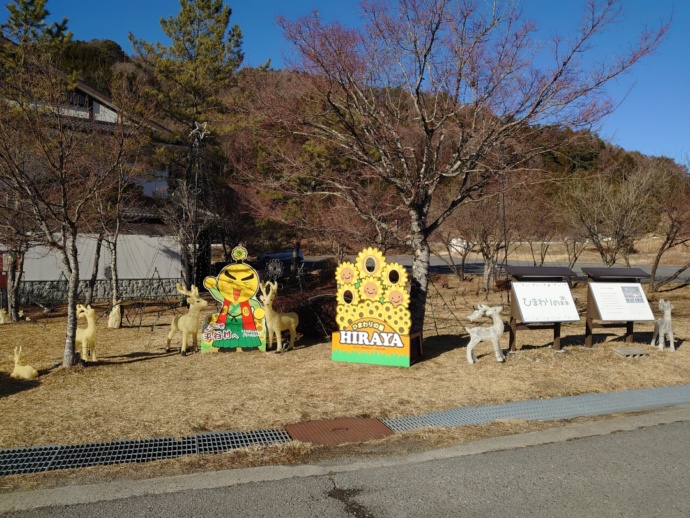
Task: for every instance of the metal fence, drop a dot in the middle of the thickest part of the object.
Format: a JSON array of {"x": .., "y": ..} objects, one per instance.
[{"x": 47, "y": 294}]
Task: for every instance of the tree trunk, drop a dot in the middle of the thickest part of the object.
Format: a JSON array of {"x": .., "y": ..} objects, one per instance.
[
  {"x": 654, "y": 285},
  {"x": 94, "y": 271},
  {"x": 489, "y": 269},
  {"x": 419, "y": 289},
  {"x": 186, "y": 260},
  {"x": 114, "y": 278},
  {"x": 15, "y": 269},
  {"x": 71, "y": 260},
  {"x": 294, "y": 266}
]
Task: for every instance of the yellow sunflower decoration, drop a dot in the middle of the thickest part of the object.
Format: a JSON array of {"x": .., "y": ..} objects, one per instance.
[
  {"x": 346, "y": 273},
  {"x": 398, "y": 296},
  {"x": 348, "y": 295},
  {"x": 370, "y": 262},
  {"x": 371, "y": 289},
  {"x": 394, "y": 274},
  {"x": 345, "y": 316}
]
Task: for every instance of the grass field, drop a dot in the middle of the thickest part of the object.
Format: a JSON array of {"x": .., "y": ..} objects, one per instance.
[{"x": 138, "y": 390}]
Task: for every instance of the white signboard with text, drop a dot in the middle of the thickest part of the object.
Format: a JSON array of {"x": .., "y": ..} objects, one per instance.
[
  {"x": 545, "y": 302},
  {"x": 621, "y": 301}
]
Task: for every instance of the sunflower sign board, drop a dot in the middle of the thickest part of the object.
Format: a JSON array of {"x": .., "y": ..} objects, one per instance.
[
  {"x": 240, "y": 324},
  {"x": 373, "y": 313}
]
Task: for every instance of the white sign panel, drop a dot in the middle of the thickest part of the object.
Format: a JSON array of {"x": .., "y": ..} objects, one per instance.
[
  {"x": 545, "y": 302},
  {"x": 621, "y": 301}
]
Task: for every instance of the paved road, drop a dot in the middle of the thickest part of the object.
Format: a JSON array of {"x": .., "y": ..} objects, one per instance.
[
  {"x": 438, "y": 265},
  {"x": 632, "y": 467}
]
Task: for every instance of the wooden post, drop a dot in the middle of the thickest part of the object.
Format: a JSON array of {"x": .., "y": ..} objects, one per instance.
[
  {"x": 513, "y": 332},
  {"x": 557, "y": 336},
  {"x": 629, "y": 332},
  {"x": 589, "y": 317}
]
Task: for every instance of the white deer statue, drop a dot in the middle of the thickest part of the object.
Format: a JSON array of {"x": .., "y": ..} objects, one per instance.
[
  {"x": 23, "y": 372},
  {"x": 663, "y": 327},
  {"x": 485, "y": 334},
  {"x": 115, "y": 317},
  {"x": 86, "y": 336},
  {"x": 187, "y": 324},
  {"x": 4, "y": 317},
  {"x": 276, "y": 322}
]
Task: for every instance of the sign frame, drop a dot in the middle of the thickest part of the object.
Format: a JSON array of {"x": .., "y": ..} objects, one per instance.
[
  {"x": 536, "y": 276},
  {"x": 616, "y": 277},
  {"x": 620, "y": 302},
  {"x": 532, "y": 299}
]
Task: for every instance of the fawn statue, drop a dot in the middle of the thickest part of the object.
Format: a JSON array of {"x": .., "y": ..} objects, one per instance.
[
  {"x": 86, "y": 336},
  {"x": 276, "y": 322},
  {"x": 485, "y": 334},
  {"x": 187, "y": 324},
  {"x": 663, "y": 326},
  {"x": 115, "y": 317},
  {"x": 23, "y": 372}
]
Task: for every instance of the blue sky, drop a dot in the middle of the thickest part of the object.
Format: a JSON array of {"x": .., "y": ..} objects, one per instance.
[{"x": 654, "y": 117}]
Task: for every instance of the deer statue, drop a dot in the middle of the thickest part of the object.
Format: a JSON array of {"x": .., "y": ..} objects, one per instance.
[
  {"x": 115, "y": 317},
  {"x": 4, "y": 317},
  {"x": 86, "y": 336},
  {"x": 663, "y": 326},
  {"x": 23, "y": 372},
  {"x": 276, "y": 323},
  {"x": 187, "y": 324},
  {"x": 485, "y": 334}
]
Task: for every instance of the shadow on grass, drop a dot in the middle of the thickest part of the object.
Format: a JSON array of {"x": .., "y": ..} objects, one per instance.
[
  {"x": 10, "y": 386},
  {"x": 646, "y": 338},
  {"x": 304, "y": 343},
  {"x": 134, "y": 357},
  {"x": 566, "y": 341},
  {"x": 435, "y": 346}
]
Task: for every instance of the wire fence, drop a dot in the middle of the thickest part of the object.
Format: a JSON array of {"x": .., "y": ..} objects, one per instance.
[{"x": 48, "y": 294}]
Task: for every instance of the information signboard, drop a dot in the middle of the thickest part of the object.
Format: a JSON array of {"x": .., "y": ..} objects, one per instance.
[
  {"x": 545, "y": 302},
  {"x": 621, "y": 301}
]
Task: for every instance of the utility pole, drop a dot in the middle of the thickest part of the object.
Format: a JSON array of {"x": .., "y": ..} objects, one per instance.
[{"x": 197, "y": 134}]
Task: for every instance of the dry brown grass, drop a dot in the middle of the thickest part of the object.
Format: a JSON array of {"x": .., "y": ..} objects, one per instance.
[{"x": 137, "y": 390}]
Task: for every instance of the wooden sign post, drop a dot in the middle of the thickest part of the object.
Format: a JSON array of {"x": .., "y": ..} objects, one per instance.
[
  {"x": 615, "y": 298},
  {"x": 541, "y": 299}
]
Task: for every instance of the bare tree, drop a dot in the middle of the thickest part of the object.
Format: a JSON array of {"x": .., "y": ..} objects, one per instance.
[
  {"x": 16, "y": 231},
  {"x": 433, "y": 90},
  {"x": 613, "y": 210},
  {"x": 534, "y": 221},
  {"x": 53, "y": 159},
  {"x": 673, "y": 192}
]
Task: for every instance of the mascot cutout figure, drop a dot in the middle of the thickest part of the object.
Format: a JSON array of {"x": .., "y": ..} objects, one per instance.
[{"x": 240, "y": 323}]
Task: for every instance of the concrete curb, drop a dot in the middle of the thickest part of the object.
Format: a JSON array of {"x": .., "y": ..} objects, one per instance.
[{"x": 27, "y": 500}]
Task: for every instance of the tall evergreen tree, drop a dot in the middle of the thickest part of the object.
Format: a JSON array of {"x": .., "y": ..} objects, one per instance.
[
  {"x": 27, "y": 24},
  {"x": 204, "y": 54},
  {"x": 188, "y": 76}
]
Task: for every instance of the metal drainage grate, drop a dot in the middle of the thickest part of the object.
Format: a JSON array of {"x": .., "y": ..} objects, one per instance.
[
  {"x": 47, "y": 458},
  {"x": 548, "y": 409}
]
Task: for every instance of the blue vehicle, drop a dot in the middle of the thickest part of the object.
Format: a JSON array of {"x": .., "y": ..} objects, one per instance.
[{"x": 270, "y": 260}]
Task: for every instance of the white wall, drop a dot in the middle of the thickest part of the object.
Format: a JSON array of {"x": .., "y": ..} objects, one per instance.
[
  {"x": 139, "y": 257},
  {"x": 101, "y": 113}
]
